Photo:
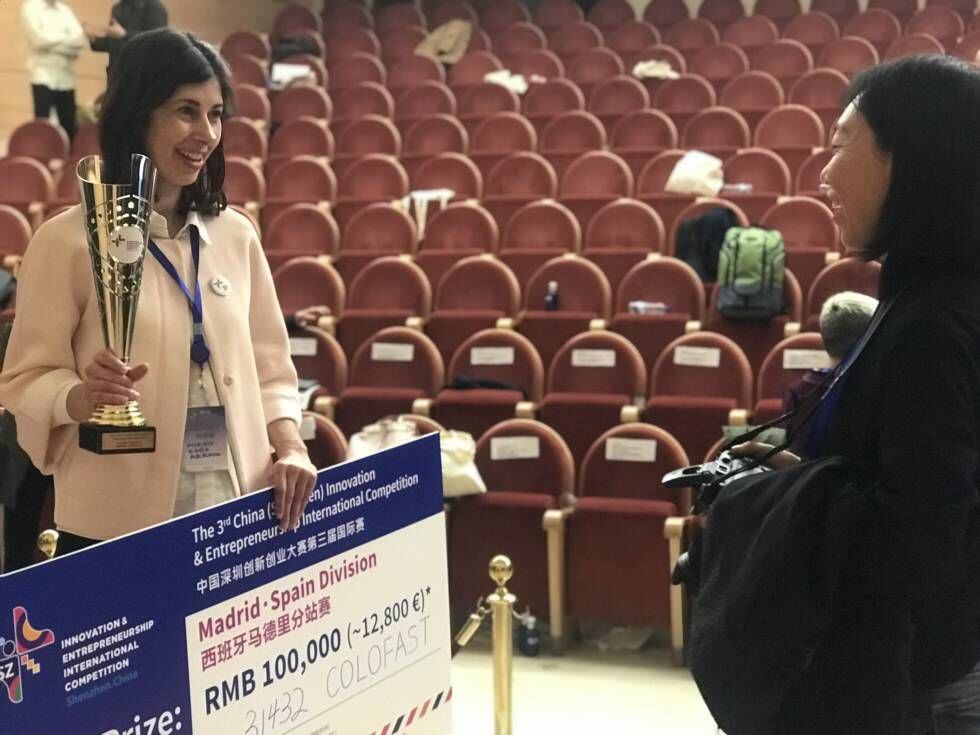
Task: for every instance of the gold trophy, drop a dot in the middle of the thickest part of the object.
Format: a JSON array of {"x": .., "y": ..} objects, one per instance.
[{"x": 117, "y": 221}]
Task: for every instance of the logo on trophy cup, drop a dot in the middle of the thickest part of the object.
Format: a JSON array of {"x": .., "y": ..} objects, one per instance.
[{"x": 117, "y": 221}]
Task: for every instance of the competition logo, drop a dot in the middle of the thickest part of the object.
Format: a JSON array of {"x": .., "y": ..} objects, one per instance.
[{"x": 15, "y": 655}]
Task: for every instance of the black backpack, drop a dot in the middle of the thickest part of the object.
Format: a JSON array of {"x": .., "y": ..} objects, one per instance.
[{"x": 699, "y": 241}]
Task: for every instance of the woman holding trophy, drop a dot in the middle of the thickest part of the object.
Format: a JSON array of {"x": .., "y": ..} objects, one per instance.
[{"x": 182, "y": 327}]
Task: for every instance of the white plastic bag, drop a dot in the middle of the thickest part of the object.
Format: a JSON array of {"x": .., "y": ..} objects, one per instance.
[
  {"x": 382, "y": 435},
  {"x": 460, "y": 475},
  {"x": 696, "y": 173}
]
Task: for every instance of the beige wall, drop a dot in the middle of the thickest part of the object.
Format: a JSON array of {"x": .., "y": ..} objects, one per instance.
[{"x": 212, "y": 19}]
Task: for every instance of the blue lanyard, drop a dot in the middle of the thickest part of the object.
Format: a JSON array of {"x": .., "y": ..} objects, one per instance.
[{"x": 199, "y": 349}]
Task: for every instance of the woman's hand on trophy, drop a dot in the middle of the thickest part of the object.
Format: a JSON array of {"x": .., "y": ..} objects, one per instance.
[
  {"x": 107, "y": 380},
  {"x": 293, "y": 476}
]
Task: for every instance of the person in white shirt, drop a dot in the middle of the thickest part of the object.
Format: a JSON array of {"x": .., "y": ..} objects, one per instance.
[{"x": 55, "y": 38}]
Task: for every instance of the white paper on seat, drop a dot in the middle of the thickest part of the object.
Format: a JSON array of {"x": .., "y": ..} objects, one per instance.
[
  {"x": 282, "y": 74},
  {"x": 392, "y": 352},
  {"x": 307, "y": 428},
  {"x": 631, "y": 450},
  {"x": 697, "y": 356},
  {"x": 593, "y": 358},
  {"x": 515, "y": 447},
  {"x": 302, "y": 346},
  {"x": 492, "y": 356},
  {"x": 805, "y": 359}
]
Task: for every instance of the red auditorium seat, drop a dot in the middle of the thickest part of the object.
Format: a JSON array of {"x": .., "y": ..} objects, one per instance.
[
  {"x": 757, "y": 337},
  {"x": 244, "y": 183},
  {"x": 684, "y": 97},
  {"x": 616, "y": 532},
  {"x": 752, "y": 95},
  {"x": 452, "y": 10},
  {"x": 535, "y": 234},
  {"x": 501, "y": 15},
  {"x": 471, "y": 69},
  {"x": 792, "y": 131},
  {"x": 875, "y": 25},
  {"x": 497, "y": 137},
  {"x": 15, "y": 233},
  {"x": 41, "y": 140},
  {"x": 780, "y": 12},
  {"x": 304, "y": 282},
  {"x": 244, "y": 138},
  {"x": 360, "y": 101},
  {"x": 968, "y": 46},
  {"x": 720, "y": 131},
  {"x": 389, "y": 372},
  {"x": 377, "y": 230},
  {"x": 428, "y": 97},
  {"x": 966, "y": 8},
  {"x": 751, "y": 34},
  {"x": 480, "y": 41},
  {"x": 700, "y": 383},
  {"x": 616, "y": 98},
  {"x": 609, "y": 14},
  {"x": 295, "y": 18},
  {"x": 398, "y": 15},
  {"x": 903, "y": 10},
  {"x": 500, "y": 355},
  {"x": 400, "y": 44},
  {"x": 591, "y": 181},
  {"x": 354, "y": 69},
  {"x": 301, "y": 101},
  {"x": 484, "y": 100},
  {"x": 594, "y": 382},
  {"x": 302, "y": 136},
  {"x": 340, "y": 17},
  {"x": 786, "y": 60},
  {"x": 620, "y": 235},
  {"x": 592, "y": 67},
  {"x": 641, "y": 135},
  {"x": 544, "y": 102},
  {"x": 430, "y": 137},
  {"x": 251, "y": 102},
  {"x": 540, "y": 63},
  {"x": 316, "y": 40},
  {"x": 528, "y": 471},
  {"x": 810, "y": 235},
  {"x": 913, "y": 44},
  {"x": 246, "y": 42},
  {"x": 473, "y": 295},
  {"x": 385, "y": 293},
  {"x": 413, "y": 70},
  {"x": 719, "y": 64},
  {"x": 300, "y": 229},
  {"x": 847, "y": 274},
  {"x": 822, "y": 91},
  {"x": 840, "y": 10},
  {"x": 630, "y": 38},
  {"x": 808, "y": 177},
  {"x": 849, "y": 55},
  {"x": 249, "y": 70},
  {"x": 814, "y": 30},
  {"x": 569, "y": 135},
  {"x": 650, "y": 189},
  {"x": 691, "y": 35},
  {"x": 783, "y": 366},
  {"x": 342, "y": 43},
  {"x": 519, "y": 179},
  {"x": 452, "y": 171},
  {"x": 460, "y": 230},
  {"x": 698, "y": 207},
  {"x": 302, "y": 179},
  {"x": 666, "y": 13},
  {"x": 372, "y": 178},
  {"x": 584, "y": 295},
  {"x": 313, "y": 63},
  {"x": 517, "y": 38},
  {"x": 574, "y": 39},
  {"x": 721, "y": 13},
  {"x": 664, "y": 280},
  {"x": 326, "y": 445},
  {"x": 765, "y": 172},
  {"x": 939, "y": 21},
  {"x": 553, "y": 14}
]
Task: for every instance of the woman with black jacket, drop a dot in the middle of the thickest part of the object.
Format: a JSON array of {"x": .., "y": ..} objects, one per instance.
[{"x": 904, "y": 185}]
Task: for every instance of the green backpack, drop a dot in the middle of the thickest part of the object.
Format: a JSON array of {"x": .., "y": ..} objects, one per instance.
[{"x": 750, "y": 274}]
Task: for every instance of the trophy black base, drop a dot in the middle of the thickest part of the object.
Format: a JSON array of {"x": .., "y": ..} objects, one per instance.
[{"x": 102, "y": 439}]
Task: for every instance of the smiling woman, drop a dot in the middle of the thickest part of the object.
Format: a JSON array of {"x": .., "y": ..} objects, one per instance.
[{"x": 210, "y": 355}]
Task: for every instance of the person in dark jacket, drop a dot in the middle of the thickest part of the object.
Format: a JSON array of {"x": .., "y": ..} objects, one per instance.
[
  {"x": 904, "y": 186},
  {"x": 128, "y": 17}
]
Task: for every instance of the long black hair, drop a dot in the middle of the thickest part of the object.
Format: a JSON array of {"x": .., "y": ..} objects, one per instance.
[
  {"x": 925, "y": 112},
  {"x": 147, "y": 72}
]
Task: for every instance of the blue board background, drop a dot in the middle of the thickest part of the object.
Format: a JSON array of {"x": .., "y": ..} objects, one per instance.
[{"x": 151, "y": 575}]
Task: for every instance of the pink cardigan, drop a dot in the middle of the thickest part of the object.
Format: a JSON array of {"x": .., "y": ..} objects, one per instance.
[{"x": 57, "y": 333}]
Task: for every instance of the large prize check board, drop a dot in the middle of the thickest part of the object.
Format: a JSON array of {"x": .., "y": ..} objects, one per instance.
[{"x": 219, "y": 624}]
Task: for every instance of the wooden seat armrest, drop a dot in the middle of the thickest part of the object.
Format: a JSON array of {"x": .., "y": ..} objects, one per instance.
[
  {"x": 738, "y": 417},
  {"x": 676, "y": 531},
  {"x": 554, "y": 524},
  {"x": 328, "y": 324},
  {"x": 791, "y": 329},
  {"x": 422, "y": 406},
  {"x": 629, "y": 415},
  {"x": 324, "y": 405},
  {"x": 692, "y": 326},
  {"x": 525, "y": 410}
]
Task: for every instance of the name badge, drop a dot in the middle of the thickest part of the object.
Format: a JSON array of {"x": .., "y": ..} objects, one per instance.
[{"x": 205, "y": 440}]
